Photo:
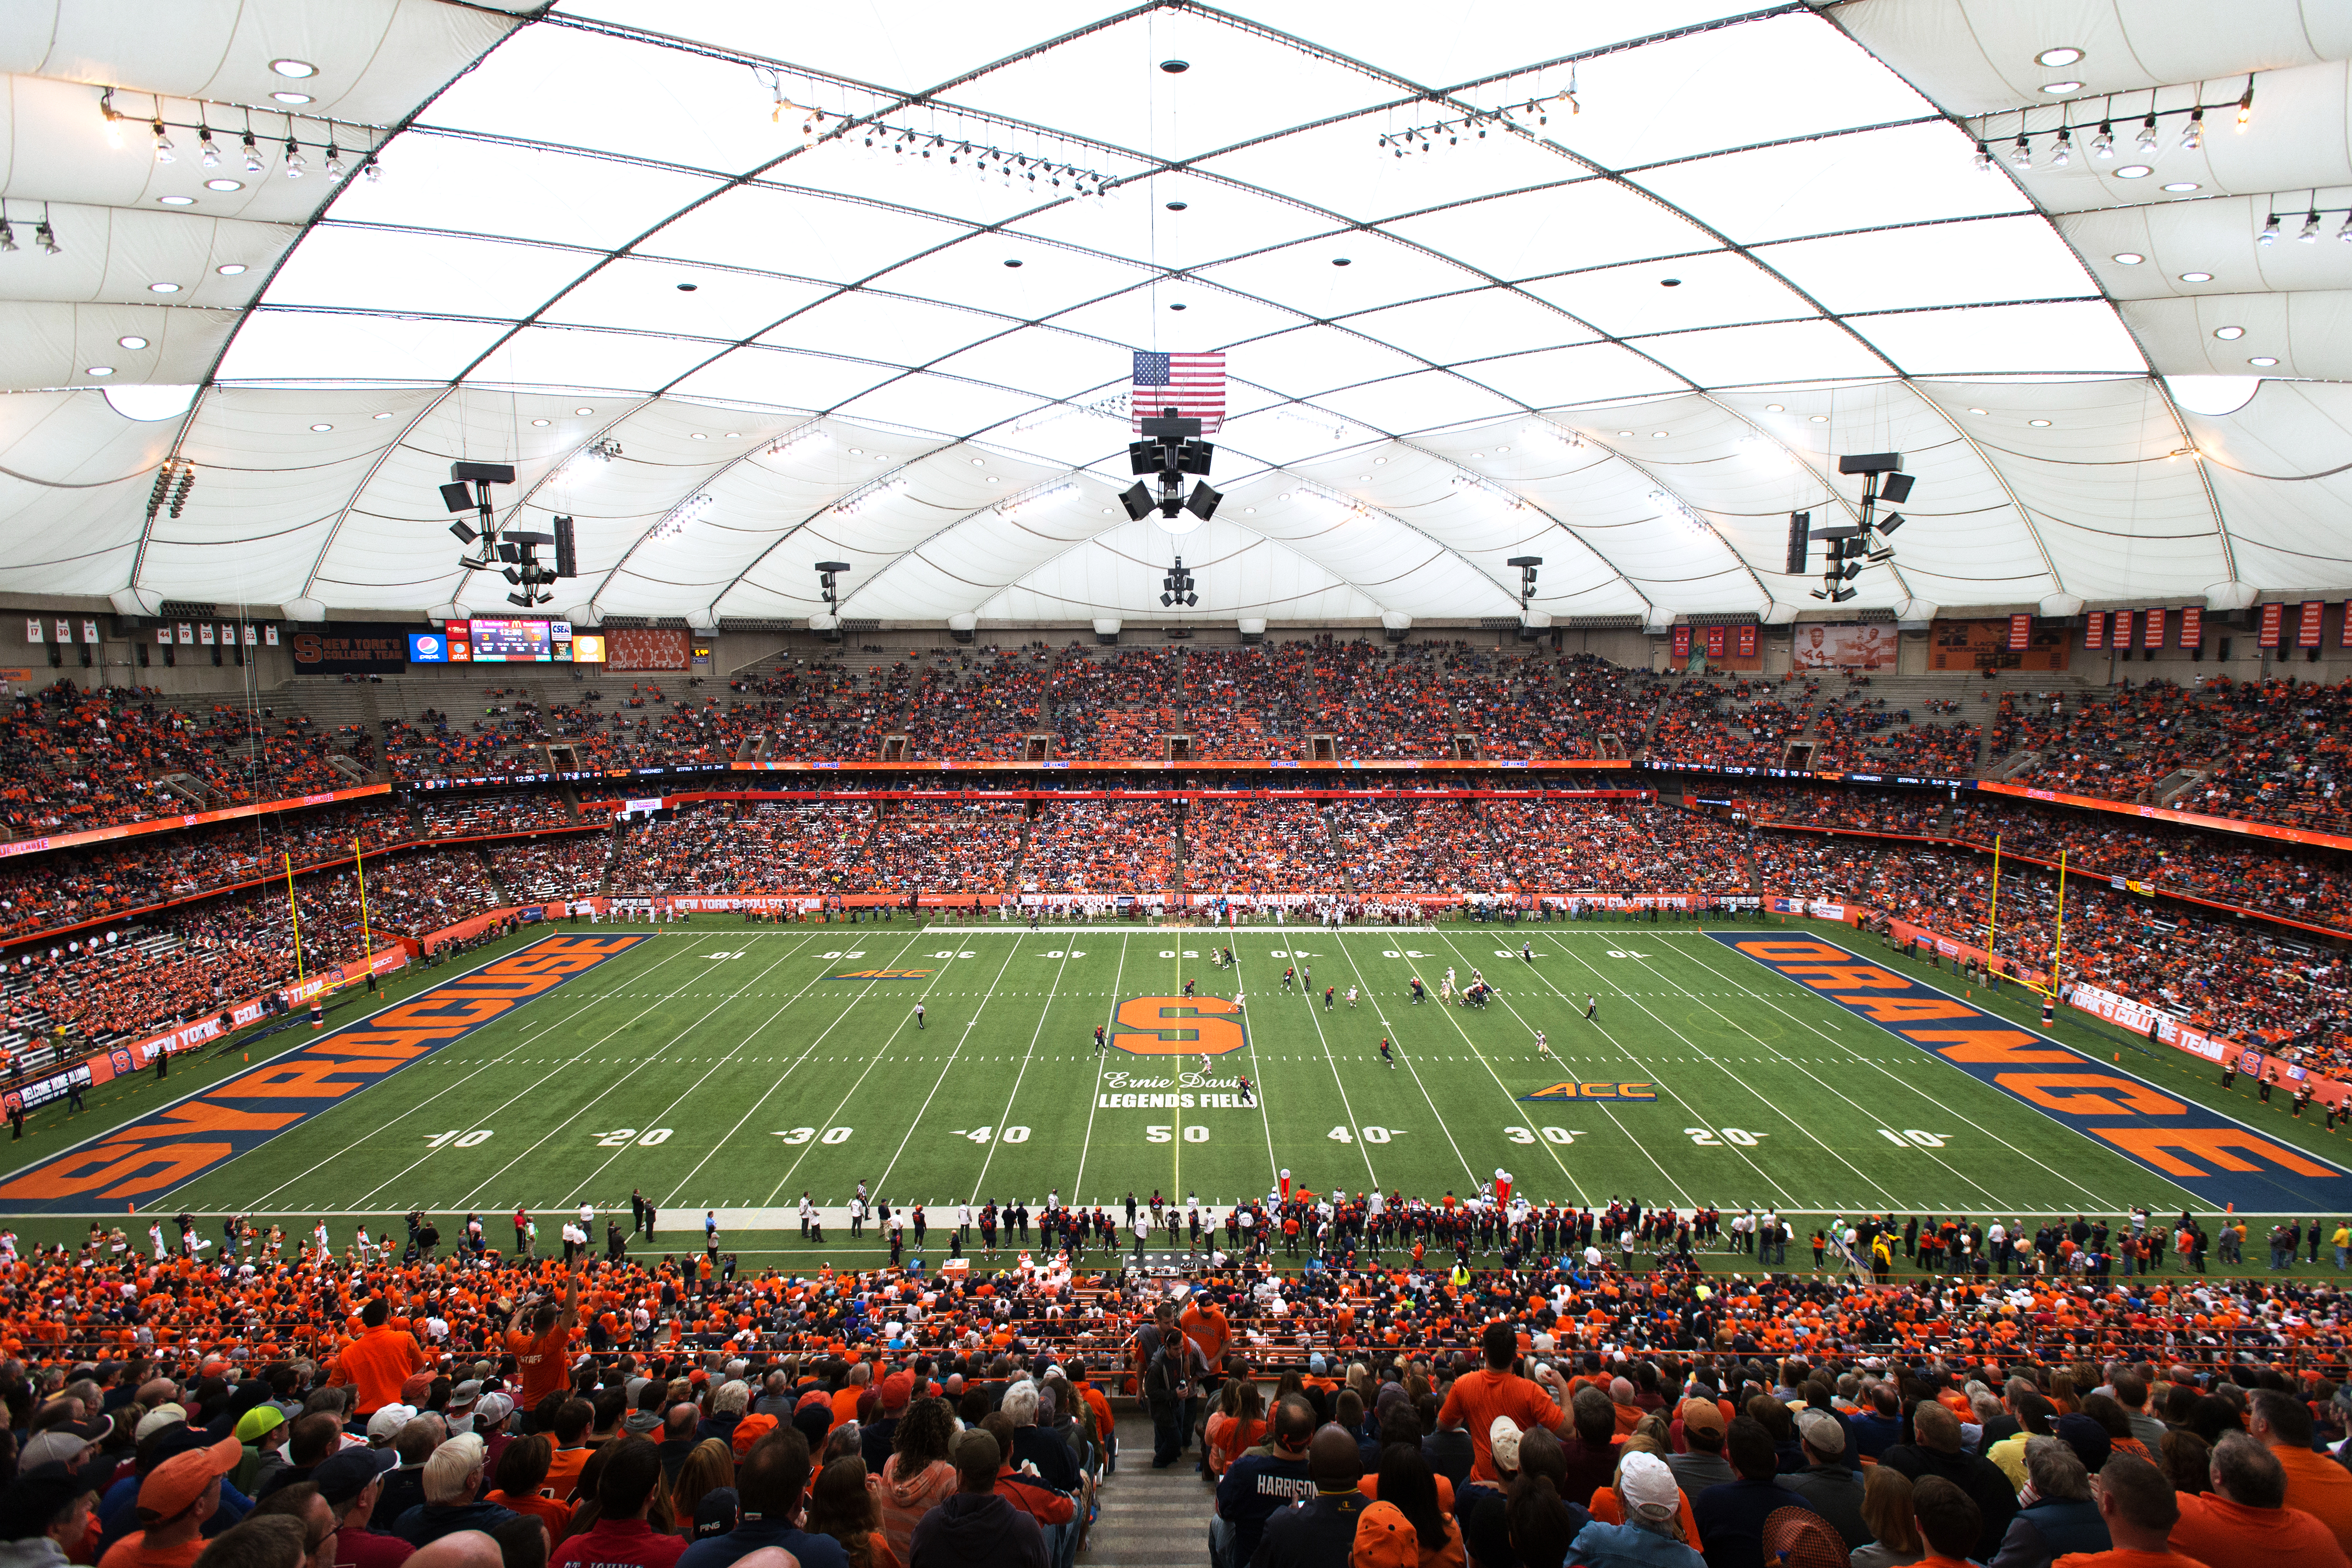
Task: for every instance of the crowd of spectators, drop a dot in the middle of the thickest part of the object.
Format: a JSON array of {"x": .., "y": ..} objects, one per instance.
[
  {"x": 1095, "y": 847},
  {"x": 1611, "y": 847},
  {"x": 537, "y": 870},
  {"x": 726, "y": 846},
  {"x": 2233, "y": 979},
  {"x": 1753, "y": 722},
  {"x": 1382, "y": 1408},
  {"x": 1438, "y": 847},
  {"x": 2269, "y": 750},
  {"x": 69, "y": 887},
  {"x": 1266, "y": 847}
]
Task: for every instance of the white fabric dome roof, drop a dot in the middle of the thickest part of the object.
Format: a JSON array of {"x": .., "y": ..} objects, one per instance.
[{"x": 1630, "y": 339}]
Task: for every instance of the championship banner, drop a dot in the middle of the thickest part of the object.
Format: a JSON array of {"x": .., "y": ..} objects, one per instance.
[
  {"x": 647, "y": 649},
  {"x": 1682, "y": 642},
  {"x": 1870, "y": 647},
  {"x": 2221, "y": 1159},
  {"x": 2308, "y": 625},
  {"x": 2094, "y": 630},
  {"x": 2020, "y": 632},
  {"x": 2344, "y": 627},
  {"x": 2192, "y": 627},
  {"x": 2152, "y": 635},
  {"x": 1716, "y": 640},
  {"x": 1745, "y": 642},
  {"x": 199, "y": 1134},
  {"x": 2274, "y": 622}
]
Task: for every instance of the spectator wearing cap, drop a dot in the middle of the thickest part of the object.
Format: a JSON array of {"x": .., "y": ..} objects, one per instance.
[
  {"x": 874, "y": 1437},
  {"x": 1320, "y": 1532},
  {"x": 1835, "y": 1491},
  {"x": 44, "y": 1518},
  {"x": 1703, "y": 1465},
  {"x": 2245, "y": 1518},
  {"x": 493, "y": 1413},
  {"x": 1651, "y": 1498},
  {"x": 1731, "y": 1517},
  {"x": 70, "y": 1441},
  {"x": 2314, "y": 1483},
  {"x": 770, "y": 1489},
  {"x": 453, "y": 1496},
  {"x": 621, "y": 1537},
  {"x": 176, "y": 1500},
  {"x": 2058, "y": 1515},
  {"x": 976, "y": 1527},
  {"x": 1937, "y": 1452},
  {"x": 351, "y": 1480},
  {"x": 262, "y": 1433}
]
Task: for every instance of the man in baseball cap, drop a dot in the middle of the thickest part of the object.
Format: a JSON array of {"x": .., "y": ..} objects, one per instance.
[
  {"x": 1703, "y": 1430},
  {"x": 351, "y": 1480},
  {"x": 174, "y": 1500},
  {"x": 1825, "y": 1482}
]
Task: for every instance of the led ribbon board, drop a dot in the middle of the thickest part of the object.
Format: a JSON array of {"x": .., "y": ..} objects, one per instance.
[
  {"x": 2221, "y": 1159},
  {"x": 197, "y": 1135}
]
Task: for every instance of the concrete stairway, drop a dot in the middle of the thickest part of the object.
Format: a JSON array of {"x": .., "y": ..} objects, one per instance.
[{"x": 1150, "y": 1519}]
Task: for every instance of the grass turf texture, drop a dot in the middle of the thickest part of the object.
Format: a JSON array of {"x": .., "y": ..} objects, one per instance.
[{"x": 731, "y": 1067}]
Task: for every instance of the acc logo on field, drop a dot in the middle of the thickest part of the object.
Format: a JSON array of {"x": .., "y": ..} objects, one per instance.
[
  {"x": 1180, "y": 1026},
  {"x": 884, "y": 974},
  {"x": 1594, "y": 1091}
]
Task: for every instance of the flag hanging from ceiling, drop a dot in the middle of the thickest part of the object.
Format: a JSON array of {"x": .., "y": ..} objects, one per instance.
[{"x": 1194, "y": 384}]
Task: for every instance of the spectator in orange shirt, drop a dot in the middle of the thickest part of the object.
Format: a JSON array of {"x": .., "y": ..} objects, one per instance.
[
  {"x": 2245, "y": 1519},
  {"x": 539, "y": 1351},
  {"x": 380, "y": 1360},
  {"x": 2314, "y": 1483},
  {"x": 1477, "y": 1398}
]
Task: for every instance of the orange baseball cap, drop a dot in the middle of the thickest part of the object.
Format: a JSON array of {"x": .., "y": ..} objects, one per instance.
[
  {"x": 174, "y": 1486},
  {"x": 1386, "y": 1539}
]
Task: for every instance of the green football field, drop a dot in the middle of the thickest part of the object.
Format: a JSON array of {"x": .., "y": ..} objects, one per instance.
[{"x": 730, "y": 1067}]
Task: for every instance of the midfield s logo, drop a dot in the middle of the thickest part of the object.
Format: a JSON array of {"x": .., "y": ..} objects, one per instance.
[{"x": 1180, "y": 1026}]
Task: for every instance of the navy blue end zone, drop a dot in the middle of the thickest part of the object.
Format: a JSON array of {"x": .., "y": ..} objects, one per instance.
[{"x": 2221, "y": 1160}]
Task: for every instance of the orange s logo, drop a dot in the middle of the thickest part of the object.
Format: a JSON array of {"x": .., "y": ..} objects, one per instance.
[{"x": 1179, "y": 1026}]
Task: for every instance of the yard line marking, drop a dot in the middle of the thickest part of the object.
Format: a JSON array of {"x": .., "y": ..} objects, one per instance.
[
  {"x": 1034, "y": 1036},
  {"x": 947, "y": 1065},
  {"x": 1519, "y": 1105},
  {"x": 1939, "y": 1105},
  {"x": 806, "y": 1052},
  {"x": 1102, "y": 1060},
  {"x": 539, "y": 1084},
  {"x": 1364, "y": 982},
  {"x": 385, "y": 1126},
  {"x": 1347, "y": 1108}
]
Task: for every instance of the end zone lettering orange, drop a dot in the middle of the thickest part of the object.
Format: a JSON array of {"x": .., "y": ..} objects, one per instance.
[
  {"x": 2211, "y": 1155},
  {"x": 1179, "y": 1026},
  {"x": 180, "y": 1141}
]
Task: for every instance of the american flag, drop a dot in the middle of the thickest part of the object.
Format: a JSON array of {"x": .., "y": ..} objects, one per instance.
[{"x": 1194, "y": 384}]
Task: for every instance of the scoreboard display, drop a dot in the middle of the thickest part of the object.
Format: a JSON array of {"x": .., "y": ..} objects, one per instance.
[{"x": 504, "y": 639}]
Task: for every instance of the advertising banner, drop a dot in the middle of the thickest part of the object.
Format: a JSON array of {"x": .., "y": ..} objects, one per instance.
[{"x": 1870, "y": 647}]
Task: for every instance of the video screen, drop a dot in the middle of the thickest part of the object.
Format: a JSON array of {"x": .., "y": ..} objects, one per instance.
[{"x": 507, "y": 640}]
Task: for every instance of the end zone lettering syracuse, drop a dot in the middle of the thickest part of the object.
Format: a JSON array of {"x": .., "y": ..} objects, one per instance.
[
  {"x": 1180, "y": 1026},
  {"x": 186, "y": 1139},
  {"x": 2221, "y": 1159},
  {"x": 1594, "y": 1091}
]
